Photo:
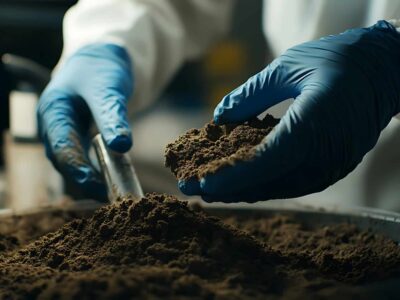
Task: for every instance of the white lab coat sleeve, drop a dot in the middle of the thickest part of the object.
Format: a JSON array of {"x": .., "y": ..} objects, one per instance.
[{"x": 159, "y": 35}]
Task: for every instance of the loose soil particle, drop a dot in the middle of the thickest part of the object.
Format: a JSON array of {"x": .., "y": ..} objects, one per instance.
[
  {"x": 205, "y": 150},
  {"x": 159, "y": 248}
]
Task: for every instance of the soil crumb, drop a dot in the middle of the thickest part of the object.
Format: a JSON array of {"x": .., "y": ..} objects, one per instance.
[
  {"x": 205, "y": 150},
  {"x": 160, "y": 248}
]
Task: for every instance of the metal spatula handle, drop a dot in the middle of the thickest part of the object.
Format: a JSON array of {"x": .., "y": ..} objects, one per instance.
[{"x": 118, "y": 171}]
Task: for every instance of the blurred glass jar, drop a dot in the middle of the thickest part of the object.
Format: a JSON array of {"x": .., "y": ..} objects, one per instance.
[{"x": 31, "y": 181}]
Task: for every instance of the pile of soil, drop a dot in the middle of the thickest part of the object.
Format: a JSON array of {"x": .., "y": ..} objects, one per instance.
[
  {"x": 160, "y": 248},
  {"x": 202, "y": 151}
]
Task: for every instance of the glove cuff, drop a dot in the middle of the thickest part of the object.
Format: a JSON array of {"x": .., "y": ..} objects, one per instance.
[{"x": 108, "y": 51}]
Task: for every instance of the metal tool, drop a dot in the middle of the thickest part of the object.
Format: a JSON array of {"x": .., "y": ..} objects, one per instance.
[{"x": 118, "y": 171}]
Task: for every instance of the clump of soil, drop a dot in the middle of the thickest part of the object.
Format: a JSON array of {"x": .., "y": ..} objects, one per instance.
[
  {"x": 160, "y": 248},
  {"x": 205, "y": 150}
]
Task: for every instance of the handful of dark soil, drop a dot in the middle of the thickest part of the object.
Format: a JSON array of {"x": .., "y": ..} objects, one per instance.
[
  {"x": 159, "y": 248},
  {"x": 205, "y": 150}
]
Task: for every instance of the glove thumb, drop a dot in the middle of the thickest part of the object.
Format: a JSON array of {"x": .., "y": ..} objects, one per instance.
[{"x": 258, "y": 93}]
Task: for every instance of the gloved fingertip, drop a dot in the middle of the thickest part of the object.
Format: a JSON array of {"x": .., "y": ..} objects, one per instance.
[
  {"x": 120, "y": 143},
  {"x": 189, "y": 186},
  {"x": 218, "y": 115},
  {"x": 203, "y": 183},
  {"x": 230, "y": 110},
  {"x": 80, "y": 175},
  {"x": 208, "y": 185}
]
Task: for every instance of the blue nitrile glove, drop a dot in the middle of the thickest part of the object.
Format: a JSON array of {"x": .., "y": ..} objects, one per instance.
[
  {"x": 95, "y": 83},
  {"x": 346, "y": 89}
]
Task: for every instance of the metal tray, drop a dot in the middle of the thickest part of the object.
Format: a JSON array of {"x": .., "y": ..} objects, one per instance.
[{"x": 379, "y": 221}]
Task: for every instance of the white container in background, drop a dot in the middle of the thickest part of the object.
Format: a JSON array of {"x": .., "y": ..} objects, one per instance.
[{"x": 23, "y": 115}]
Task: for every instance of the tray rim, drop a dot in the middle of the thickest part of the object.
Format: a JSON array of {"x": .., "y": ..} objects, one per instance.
[
  {"x": 275, "y": 206},
  {"x": 378, "y": 220}
]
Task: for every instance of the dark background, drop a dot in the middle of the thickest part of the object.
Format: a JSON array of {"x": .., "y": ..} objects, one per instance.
[{"x": 33, "y": 29}]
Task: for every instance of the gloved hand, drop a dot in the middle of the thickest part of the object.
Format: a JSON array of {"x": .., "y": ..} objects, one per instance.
[
  {"x": 346, "y": 89},
  {"x": 95, "y": 82}
]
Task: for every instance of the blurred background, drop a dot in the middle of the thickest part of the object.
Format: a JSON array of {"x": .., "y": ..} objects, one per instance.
[{"x": 30, "y": 45}]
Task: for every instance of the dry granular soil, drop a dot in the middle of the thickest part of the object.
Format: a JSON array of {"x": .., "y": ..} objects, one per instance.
[
  {"x": 205, "y": 150},
  {"x": 160, "y": 248}
]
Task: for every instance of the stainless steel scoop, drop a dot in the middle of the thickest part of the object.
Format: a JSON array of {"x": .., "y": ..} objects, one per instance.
[{"x": 118, "y": 171}]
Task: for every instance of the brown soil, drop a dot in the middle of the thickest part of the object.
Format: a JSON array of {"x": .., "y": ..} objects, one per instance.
[
  {"x": 159, "y": 248},
  {"x": 205, "y": 150},
  {"x": 17, "y": 231},
  {"x": 339, "y": 251}
]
